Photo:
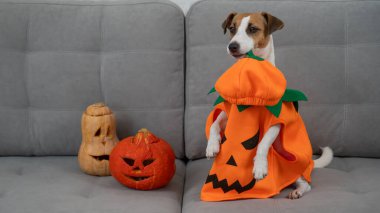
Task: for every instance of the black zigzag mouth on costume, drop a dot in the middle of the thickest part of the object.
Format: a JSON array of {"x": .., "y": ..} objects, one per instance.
[{"x": 223, "y": 184}]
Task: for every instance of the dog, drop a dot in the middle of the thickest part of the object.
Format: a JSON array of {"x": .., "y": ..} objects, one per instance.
[{"x": 253, "y": 31}]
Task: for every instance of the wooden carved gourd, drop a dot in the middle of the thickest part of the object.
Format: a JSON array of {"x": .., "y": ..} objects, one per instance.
[{"x": 98, "y": 139}]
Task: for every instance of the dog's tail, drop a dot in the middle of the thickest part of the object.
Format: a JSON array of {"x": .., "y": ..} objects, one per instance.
[{"x": 325, "y": 158}]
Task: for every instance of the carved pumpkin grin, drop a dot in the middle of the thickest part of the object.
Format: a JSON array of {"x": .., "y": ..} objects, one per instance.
[
  {"x": 137, "y": 178},
  {"x": 101, "y": 157}
]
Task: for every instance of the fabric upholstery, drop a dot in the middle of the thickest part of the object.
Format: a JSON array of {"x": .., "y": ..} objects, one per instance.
[
  {"x": 56, "y": 184},
  {"x": 327, "y": 49},
  {"x": 185, "y": 5},
  {"x": 57, "y": 57},
  {"x": 347, "y": 185}
]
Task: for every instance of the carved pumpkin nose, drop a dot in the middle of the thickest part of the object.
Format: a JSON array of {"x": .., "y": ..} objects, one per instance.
[
  {"x": 104, "y": 143},
  {"x": 137, "y": 168}
]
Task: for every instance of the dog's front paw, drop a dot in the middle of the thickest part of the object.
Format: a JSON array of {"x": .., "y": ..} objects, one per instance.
[
  {"x": 213, "y": 147},
  {"x": 260, "y": 168},
  {"x": 295, "y": 194}
]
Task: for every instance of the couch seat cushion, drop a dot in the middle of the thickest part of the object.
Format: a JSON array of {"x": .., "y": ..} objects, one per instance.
[
  {"x": 56, "y": 184},
  {"x": 347, "y": 185}
]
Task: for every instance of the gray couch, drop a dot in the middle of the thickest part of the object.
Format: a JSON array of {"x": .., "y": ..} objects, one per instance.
[{"x": 154, "y": 66}]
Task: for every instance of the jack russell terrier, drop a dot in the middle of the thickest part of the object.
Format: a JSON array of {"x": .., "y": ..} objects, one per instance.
[{"x": 253, "y": 31}]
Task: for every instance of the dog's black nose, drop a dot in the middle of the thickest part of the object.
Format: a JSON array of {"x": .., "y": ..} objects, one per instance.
[{"x": 233, "y": 47}]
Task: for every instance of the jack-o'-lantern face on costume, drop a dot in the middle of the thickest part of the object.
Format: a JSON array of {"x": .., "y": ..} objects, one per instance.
[
  {"x": 143, "y": 161},
  {"x": 98, "y": 139},
  {"x": 236, "y": 158}
]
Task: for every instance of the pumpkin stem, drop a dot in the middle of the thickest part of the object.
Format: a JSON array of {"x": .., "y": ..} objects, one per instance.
[
  {"x": 100, "y": 104},
  {"x": 98, "y": 109},
  {"x": 146, "y": 136},
  {"x": 143, "y": 130}
]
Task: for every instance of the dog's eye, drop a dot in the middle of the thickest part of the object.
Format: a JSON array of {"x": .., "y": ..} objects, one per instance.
[
  {"x": 232, "y": 29},
  {"x": 253, "y": 29}
]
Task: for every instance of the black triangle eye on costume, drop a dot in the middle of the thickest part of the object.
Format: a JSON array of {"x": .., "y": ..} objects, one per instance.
[
  {"x": 231, "y": 161},
  {"x": 252, "y": 142}
]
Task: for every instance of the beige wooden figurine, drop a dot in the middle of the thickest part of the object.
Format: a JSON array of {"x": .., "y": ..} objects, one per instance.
[{"x": 98, "y": 139}]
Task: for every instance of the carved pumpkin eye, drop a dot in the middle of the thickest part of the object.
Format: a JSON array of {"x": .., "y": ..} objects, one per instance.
[
  {"x": 129, "y": 161},
  {"x": 97, "y": 133},
  {"x": 109, "y": 131},
  {"x": 147, "y": 162}
]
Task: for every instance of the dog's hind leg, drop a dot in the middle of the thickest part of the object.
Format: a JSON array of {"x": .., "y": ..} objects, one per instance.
[{"x": 302, "y": 186}]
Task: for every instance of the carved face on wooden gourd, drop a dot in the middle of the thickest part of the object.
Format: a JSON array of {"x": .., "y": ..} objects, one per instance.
[
  {"x": 98, "y": 139},
  {"x": 143, "y": 161}
]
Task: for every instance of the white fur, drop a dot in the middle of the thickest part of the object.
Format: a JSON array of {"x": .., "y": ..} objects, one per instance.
[
  {"x": 245, "y": 42},
  {"x": 266, "y": 52},
  {"x": 302, "y": 186},
  {"x": 214, "y": 139},
  {"x": 260, "y": 168},
  {"x": 325, "y": 159}
]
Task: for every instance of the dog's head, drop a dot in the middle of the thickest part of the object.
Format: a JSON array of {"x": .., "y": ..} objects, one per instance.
[{"x": 249, "y": 31}]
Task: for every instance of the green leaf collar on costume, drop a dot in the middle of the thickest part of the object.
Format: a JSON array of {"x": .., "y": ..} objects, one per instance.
[
  {"x": 251, "y": 55},
  {"x": 218, "y": 100},
  {"x": 290, "y": 95},
  {"x": 212, "y": 91}
]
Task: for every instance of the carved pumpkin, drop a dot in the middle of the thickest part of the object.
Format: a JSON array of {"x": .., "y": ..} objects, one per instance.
[
  {"x": 98, "y": 139},
  {"x": 143, "y": 161},
  {"x": 253, "y": 94}
]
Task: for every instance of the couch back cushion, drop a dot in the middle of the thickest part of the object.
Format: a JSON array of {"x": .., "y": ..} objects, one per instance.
[
  {"x": 57, "y": 57},
  {"x": 327, "y": 49}
]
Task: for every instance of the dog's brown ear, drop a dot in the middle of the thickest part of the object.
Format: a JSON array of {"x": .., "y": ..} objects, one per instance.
[
  {"x": 227, "y": 22},
  {"x": 273, "y": 23}
]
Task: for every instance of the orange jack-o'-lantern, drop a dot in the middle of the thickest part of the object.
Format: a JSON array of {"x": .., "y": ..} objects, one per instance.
[
  {"x": 98, "y": 139},
  {"x": 143, "y": 161}
]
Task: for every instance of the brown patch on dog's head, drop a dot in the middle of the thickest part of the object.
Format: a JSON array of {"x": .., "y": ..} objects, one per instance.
[
  {"x": 261, "y": 25},
  {"x": 273, "y": 23},
  {"x": 227, "y": 23}
]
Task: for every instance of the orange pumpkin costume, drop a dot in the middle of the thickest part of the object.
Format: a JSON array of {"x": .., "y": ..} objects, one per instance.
[{"x": 254, "y": 96}]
